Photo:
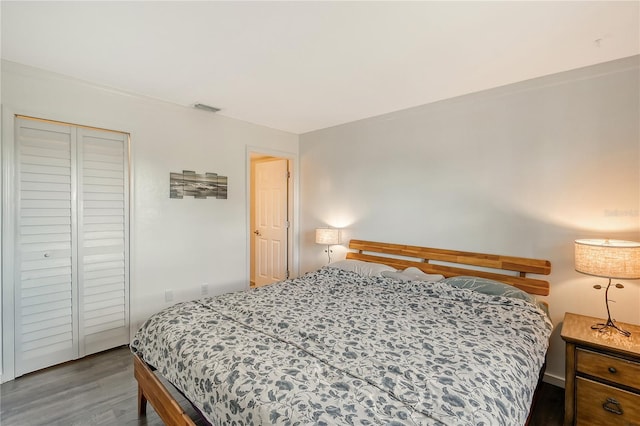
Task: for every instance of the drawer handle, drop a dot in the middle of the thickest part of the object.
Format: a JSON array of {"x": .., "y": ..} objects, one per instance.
[
  {"x": 613, "y": 406},
  {"x": 612, "y": 370}
]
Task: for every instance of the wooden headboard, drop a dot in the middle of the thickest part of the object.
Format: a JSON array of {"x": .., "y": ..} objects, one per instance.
[{"x": 457, "y": 263}]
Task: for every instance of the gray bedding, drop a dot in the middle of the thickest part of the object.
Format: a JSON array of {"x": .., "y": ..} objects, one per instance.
[{"x": 337, "y": 348}]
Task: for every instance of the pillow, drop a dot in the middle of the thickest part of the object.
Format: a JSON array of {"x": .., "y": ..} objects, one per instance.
[
  {"x": 490, "y": 287},
  {"x": 419, "y": 275},
  {"x": 412, "y": 274},
  {"x": 369, "y": 269}
]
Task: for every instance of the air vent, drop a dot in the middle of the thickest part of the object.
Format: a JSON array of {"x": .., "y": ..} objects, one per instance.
[{"x": 206, "y": 107}]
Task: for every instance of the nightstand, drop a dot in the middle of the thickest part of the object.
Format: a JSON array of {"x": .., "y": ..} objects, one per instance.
[{"x": 602, "y": 374}]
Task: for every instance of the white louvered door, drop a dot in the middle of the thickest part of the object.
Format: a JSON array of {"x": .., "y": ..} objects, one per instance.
[
  {"x": 45, "y": 299},
  {"x": 102, "y": 240},
  {"x": 71, "y": 287}
]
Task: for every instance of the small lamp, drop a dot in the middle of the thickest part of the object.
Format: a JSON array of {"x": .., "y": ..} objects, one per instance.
[
  {"x": 609, "y": 259},
  {"x": 328, "y": 237}
]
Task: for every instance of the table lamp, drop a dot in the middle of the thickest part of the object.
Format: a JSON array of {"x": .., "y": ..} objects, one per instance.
[
  {"x": 612, "y": 259},
  {"x": 328, "y": 237}
]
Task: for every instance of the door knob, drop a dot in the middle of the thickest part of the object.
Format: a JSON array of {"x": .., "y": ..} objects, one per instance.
[{"x": 257, "y": 232}]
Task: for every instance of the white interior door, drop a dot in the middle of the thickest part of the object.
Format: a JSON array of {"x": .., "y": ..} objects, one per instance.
[
  {"x": 103, "y": 240},
  {"x": 71, "y": 292},
  {"x": 271, "y": 183},
  {"x": 46, "y": 331}
]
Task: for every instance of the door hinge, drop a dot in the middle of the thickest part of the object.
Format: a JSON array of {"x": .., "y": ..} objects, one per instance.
[
  {"x": 286, "y": 276},
  {"x": 287, "y": 224},
  {"x": 288, "y": 174}
]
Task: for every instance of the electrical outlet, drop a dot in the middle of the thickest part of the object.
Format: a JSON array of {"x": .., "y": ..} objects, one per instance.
[
  {"x": 168, "y": 295},
  {"x": 204, "y": 289}
]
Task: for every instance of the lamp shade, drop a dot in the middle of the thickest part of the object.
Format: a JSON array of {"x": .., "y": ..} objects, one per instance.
[
  {"x": 327, "y": 236},
  {"x": 608, "y": 258}
]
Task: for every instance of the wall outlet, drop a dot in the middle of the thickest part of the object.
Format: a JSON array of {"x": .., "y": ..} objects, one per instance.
[
  {"x": 168, "y": 295},
  {"x": 204, "y": 289}
]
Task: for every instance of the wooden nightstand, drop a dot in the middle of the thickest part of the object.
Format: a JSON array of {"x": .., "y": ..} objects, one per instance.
[{"x": 602, "y": 374}]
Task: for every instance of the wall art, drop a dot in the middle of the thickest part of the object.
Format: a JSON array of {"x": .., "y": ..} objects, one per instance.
[{"x": 190, "y": 184}]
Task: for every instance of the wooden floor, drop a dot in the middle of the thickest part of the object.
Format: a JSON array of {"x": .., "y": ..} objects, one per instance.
[{"x": 101, "y": 390}]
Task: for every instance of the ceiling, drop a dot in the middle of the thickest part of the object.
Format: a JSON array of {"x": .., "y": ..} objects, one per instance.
[{"x": 302, "y": 66}]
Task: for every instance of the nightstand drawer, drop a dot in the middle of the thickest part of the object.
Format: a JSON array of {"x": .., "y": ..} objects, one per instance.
[
  {"x": 608, "y": 368},
  {"x": 600, "y": 404}
]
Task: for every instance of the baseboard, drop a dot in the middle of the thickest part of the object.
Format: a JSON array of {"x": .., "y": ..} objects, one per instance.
[{"x": 554, "y": 380}]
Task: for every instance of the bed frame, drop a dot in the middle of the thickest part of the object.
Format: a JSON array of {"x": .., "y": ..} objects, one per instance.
[
  {"x": 508, "y": 269},
  {"x": 453, "y": 263}
]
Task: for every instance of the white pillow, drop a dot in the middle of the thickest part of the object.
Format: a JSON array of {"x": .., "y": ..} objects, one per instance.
[
  {"x": 419, "y": 275},
  {"x": 413, "y": 274},
  {"x": 369, "y": 269}
]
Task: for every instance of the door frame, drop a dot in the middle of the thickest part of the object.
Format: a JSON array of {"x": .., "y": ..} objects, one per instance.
[
  {"x": 292, "y": 206},
  {"x": 7, "y": 364}
]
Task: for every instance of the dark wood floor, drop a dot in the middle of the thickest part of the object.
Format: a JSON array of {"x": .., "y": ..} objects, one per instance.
[
  {"x": 549, "y": 410},
  {"x": 101, "y": 390}
]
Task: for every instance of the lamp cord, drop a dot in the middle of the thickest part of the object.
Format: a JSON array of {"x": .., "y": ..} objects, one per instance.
[{"x": 609, "y": 324}]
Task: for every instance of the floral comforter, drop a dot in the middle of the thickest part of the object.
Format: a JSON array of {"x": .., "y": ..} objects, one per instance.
[{"x": 336, "y": 348}]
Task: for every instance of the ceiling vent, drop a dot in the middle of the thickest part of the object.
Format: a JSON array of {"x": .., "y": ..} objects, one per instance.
[{"x": 206, "y": 107}]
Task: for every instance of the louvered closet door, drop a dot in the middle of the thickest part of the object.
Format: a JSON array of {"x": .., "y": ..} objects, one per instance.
[
  {"x": 45, "y": 327},
  {"x": 103, "y": 240},
  {"x": 72, "y": 286}
]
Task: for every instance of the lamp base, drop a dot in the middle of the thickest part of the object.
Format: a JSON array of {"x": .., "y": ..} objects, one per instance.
[
  {"x": 604, "y": 327},
  {"x": 328, "y": 251}
]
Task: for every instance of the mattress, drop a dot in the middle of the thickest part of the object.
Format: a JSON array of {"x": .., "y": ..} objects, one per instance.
[{"x": 338, "y": 348}]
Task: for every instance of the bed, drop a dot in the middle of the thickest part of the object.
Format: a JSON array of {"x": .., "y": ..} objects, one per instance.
[{"x": 358, "y": 343}]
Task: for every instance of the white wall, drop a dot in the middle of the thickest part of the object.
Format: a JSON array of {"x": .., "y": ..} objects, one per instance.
[
  {"x": 522, "y": 170},
  {"x": 176, "y": 244}
]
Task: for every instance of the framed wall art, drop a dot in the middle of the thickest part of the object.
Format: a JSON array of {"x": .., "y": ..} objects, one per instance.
[{"x": 190, "y": 184}]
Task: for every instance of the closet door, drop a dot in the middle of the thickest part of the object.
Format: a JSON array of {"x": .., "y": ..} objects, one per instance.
[
  {"x": 46, "y": 331},
  {"x": 72, "y": 247},
  {"x": 103, "y": 241}
]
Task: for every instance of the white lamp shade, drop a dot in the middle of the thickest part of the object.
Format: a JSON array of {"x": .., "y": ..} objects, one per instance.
[
  {"x": 608, "y": 258},
  {"x": 327, "y": 236}
]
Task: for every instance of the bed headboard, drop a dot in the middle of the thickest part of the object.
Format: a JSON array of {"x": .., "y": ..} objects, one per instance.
[{"x": 457, "y": 263}]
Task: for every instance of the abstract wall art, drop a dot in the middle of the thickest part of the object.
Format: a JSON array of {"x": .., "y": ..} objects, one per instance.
[{"x": 190, "y": 184}]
